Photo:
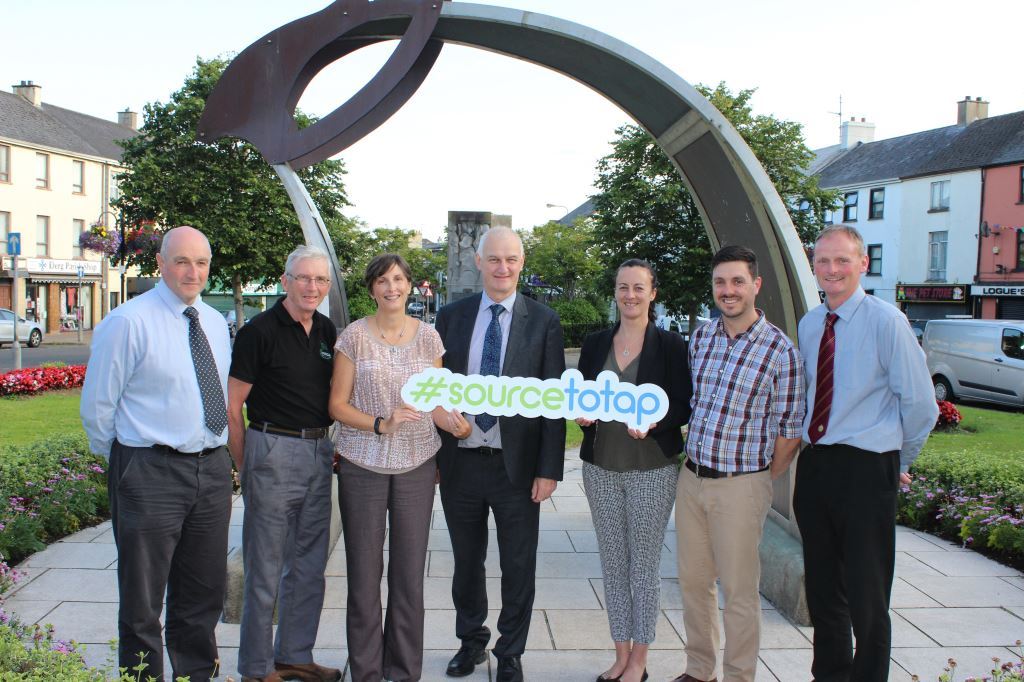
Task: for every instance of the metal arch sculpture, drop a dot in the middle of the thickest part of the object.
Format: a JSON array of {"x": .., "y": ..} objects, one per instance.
[{"x": 256, "y": 97}]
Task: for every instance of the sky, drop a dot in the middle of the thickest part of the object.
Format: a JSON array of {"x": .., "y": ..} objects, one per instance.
[{"x": 486, "y": 132}]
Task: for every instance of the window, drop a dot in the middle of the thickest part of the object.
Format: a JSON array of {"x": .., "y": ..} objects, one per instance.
[
  {"x": 115, "y": 191},
  {"x": 42, "y": 171},
  {"x": 877, "y": 208},
  {"x": 874, "y": 259},
  {"x": 78, "y": 177},
  {"x": 940, "y": 196},
  {"x": 5, "y": 163},
  {"x": 850, "y": 207},
  {"x": 1013, "y": 343},
  {"x": 5, "y": 229},
  {"x": 42, "y": 235},
  {"x": 1020, "y": 249},
  {"x": 77, "y": 228},
  {"x": 1020, "y": 196},
  {"x": 937, "y": 243}
]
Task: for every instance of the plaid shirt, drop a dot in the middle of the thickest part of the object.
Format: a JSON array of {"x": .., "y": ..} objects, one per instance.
[{"x": 745, "y": 395}]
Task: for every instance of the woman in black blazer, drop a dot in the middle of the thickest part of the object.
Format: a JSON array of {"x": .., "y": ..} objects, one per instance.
[{"x": 630, "y": 476}]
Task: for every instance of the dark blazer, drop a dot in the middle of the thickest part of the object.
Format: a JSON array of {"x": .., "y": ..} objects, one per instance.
[
  {"x": 665, "y": 361},
  {"x": 534, "y": 447}
]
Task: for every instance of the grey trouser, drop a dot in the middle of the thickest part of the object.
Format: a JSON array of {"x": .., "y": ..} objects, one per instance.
[
  {"x": 286, "y": 484},
  {"x": 630, "y": 510},
  {"x": 402, "y": 503},
  {"x": 170, "y": 516}
]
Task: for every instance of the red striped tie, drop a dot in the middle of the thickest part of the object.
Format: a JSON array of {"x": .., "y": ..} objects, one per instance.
[{"x": 823, "y": 387}]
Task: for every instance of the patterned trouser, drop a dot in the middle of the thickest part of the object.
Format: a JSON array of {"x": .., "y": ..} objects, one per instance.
[{"x": 630, "y": 511}]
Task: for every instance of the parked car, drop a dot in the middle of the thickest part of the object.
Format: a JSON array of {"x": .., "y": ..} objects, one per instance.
[
  {"x": 29, "y": 333},
  {"x": 416, "y": 309},
  {"x": 976, "y": 360},
  {"x": 918, "y": 327},
  {"x": 230, "y": 318}
]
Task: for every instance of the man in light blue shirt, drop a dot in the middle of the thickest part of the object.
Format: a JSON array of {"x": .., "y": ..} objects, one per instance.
[
  {"x": 870, "y": 408},
  {"x": 153, "y": 403}
]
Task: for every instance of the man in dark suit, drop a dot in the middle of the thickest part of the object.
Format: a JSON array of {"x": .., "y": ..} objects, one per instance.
[{"x": 508, "y": 465}]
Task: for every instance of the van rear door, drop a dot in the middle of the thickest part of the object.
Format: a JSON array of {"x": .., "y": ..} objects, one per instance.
[{"x": 1008, "y": 378}]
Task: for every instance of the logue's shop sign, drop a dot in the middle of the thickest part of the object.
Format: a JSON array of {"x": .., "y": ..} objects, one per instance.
[
  {"x": 997, "y": 290},
  {"x": 944, "y": 293}
]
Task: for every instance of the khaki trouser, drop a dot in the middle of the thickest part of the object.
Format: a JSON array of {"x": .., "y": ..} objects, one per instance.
[{"x": 719, "y": 523}]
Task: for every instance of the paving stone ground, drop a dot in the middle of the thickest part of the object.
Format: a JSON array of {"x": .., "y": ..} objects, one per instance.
[{"x": 947, "y": 603}]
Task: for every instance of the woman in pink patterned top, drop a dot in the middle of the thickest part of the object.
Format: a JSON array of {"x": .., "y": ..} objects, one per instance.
[{"x": 386, "y": 473}]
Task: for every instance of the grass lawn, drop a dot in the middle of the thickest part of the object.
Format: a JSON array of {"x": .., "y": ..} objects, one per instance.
[
  {"x": 995, "y": 434},
  {"x": 26, "y": 419}
]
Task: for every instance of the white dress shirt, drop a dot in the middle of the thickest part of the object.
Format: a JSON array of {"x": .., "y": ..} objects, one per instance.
[
  {"x": 492, "y": 438},
  {"x": 140, "y": 383},
  {"x": 882, "y": 395}
]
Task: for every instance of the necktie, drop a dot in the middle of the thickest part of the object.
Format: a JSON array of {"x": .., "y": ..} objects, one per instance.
[
  {"x": 823, "y": 386},
  {"x": 215, "y": 411},
  {"x": 490, "y": 360}
]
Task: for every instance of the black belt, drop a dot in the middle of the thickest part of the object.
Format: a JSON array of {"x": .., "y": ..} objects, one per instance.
[
  {"x": 314, "y": 434},
  {"x": 708, "y": 472},
  {"x": 168, "y": 449},
  {"x": 487, "y": 451}
]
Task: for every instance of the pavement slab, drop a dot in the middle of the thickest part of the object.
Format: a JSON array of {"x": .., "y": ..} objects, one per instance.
[{"x": 984, "y": 627}]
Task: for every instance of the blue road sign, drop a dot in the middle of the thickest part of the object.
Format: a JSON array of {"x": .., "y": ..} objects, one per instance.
[{"x": 14, "y": 244}]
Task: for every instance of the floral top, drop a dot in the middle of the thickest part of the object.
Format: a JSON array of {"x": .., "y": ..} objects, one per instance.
[{"x": 380, "y": 372}]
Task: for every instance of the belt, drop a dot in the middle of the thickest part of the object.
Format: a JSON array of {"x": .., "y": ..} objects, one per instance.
[
  {"x": 168, "y": 449},
  {"x": 314, "y": 434},
  {"x": 708, "y": 472},
  {"x": 487, "y": 451}
]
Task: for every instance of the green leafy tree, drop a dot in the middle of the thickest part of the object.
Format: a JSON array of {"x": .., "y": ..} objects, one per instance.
[
  {"x": 565, "y": 256},
  {"x": 224, "y": 188},
  {"x": 643, "y": 210}
]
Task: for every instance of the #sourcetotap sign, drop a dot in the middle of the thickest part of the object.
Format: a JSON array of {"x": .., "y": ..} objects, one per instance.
[{"x": 568, "y": 397}]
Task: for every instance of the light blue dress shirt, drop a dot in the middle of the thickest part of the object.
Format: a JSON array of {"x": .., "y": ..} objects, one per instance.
[
  {"x": 492, "y": 438},
  {"x": 882, "y": 395},
  {"x": 140, "y": 384}
]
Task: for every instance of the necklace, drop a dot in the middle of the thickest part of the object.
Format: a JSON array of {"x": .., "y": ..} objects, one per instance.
[{"x": 401, "y": 333}]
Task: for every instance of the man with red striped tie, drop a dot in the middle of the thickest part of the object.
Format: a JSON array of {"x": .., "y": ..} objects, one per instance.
[{"x": 871, "y": 408}]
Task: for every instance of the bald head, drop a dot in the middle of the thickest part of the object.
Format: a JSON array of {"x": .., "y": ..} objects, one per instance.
[
  {"x": 184, "y": 262},
  {"x": 499, "y": 257}
]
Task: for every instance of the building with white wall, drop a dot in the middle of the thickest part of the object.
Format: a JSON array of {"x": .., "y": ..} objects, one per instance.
[{"x": 58, "y": 173}]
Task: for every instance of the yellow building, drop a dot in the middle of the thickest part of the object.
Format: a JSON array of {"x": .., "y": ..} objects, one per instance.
[{"x": 58, "y": 173}]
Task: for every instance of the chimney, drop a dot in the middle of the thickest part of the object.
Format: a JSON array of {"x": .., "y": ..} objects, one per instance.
[
  {"x": 128, "y": 118},
  {"x": 970, "y": 110},
  {"x": 30, "y": 91},
  {"x": 855, "y": 132}
]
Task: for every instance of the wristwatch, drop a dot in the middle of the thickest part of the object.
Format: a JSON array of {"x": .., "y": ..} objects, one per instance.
[{"x": 376, "y": 426}]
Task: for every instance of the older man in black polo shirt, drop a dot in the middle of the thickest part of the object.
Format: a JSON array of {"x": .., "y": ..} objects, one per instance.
[{"x": 281, "y": 371}]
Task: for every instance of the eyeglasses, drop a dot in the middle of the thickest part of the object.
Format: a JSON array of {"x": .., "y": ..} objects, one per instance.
[{"x": 306, "y": 280}]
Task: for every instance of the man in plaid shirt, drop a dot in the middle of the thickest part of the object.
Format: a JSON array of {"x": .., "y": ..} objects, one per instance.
[{"x": 748, "y": 410}]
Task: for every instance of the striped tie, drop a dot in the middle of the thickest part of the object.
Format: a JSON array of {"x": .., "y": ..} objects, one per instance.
[{"x": 823, "y": 387}]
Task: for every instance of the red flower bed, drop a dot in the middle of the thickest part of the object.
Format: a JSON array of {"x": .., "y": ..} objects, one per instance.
[{"x": 39, "y": 379}]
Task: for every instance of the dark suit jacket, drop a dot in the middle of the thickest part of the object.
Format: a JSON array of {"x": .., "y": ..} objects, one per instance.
[
  {"x": 664, "y": 361},
  {"x": 534, "y": 447}
]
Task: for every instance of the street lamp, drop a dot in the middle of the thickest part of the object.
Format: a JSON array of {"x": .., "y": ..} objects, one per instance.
[{"x": 565, "y": 208}]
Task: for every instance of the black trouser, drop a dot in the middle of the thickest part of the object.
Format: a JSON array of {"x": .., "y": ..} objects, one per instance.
[
  {"x": 478, "y": 482},
  {"x": 170, "y": 516},
  {"x": 845, "y": 505}
]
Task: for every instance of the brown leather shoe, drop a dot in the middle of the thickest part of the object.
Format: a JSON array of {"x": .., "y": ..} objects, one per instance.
[
  {"x": 690, "y": 678},
  {"x": 307, "y": 672},
  {"x": 272, "y": 677}
]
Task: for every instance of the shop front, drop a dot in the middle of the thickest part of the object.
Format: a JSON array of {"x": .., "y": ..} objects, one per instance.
[
  {"x": 932, "y": 301},
  {"x": 53, "y": 294},
  {"x": 999, "y": 301}
]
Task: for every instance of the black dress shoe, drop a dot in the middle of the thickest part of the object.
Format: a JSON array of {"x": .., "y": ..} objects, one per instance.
[
  {"x": 510, "y": 669},
  {"x": 465, "y": 661}
]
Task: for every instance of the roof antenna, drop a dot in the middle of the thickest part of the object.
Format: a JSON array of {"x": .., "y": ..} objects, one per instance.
[{"x": 840, "y": 115}]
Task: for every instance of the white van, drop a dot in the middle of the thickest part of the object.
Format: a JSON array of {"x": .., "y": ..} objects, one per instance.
[{"x": 976, "y": 359}]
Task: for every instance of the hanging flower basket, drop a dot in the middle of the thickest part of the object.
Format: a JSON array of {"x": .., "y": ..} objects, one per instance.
[
  {"x": 142, "y": 242},
  {"x": 100, "y": 239}
]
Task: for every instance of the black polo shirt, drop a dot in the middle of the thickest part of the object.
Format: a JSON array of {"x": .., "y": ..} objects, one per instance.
[{"x": 290, "y": 371}]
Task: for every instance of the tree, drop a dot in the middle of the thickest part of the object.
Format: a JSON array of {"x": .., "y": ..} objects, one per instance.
[
  {"x": 223, "y": 188},
  {"x": 643, "y": 210},
  {"x": 565, "y": 256}
]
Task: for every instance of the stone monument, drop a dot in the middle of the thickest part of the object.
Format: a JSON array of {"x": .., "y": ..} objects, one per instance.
[{"x": 464, "y": 231}]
